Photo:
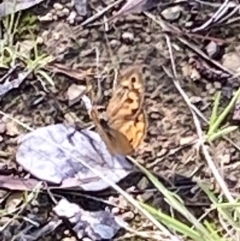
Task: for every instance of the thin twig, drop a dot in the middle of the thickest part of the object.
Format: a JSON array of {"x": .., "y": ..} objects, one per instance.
[
  {"x": 100, "y": 13},
  {"x": 216, "y": 16},
  {"x": 168, "y": 27}
]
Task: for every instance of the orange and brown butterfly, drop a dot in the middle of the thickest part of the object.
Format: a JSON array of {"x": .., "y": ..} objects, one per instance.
[{"x": 126, "y": 124}]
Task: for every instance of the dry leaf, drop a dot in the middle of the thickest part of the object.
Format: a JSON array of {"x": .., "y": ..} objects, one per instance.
[
  {"x": 55, "y": 154},
  {"x": 75, "y": 93}
]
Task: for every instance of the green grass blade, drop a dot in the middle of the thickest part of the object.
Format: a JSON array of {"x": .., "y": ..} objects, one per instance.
[
  {"x": 221, "y": 133},
  {"x": 223, "y": 115},
  {"x": 173, "y": 223},
  {"x": 215, "y": 109}
]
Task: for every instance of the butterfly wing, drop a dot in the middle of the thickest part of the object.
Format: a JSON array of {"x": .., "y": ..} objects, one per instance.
[
  {"x": 115, "y": 141},
  {"x": 125, "y": 111}
]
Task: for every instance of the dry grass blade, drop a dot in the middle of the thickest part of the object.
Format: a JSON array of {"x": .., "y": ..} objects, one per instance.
[
  {"x": 76, "y": 74},
  {"x": 132, "y": 6},
  {"x": 100, "y": 13}
]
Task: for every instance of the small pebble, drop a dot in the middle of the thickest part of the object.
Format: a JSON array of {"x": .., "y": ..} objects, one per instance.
[
  {"x": 212, "y": 49},
  {"x": 2, "y": 127},
  {"x": 123, "y": 202},
  {"x": 83, "y": 42},
  {"x": 46, "y": 18},
  {"x": 45, "y": 35},
  {"x": 87, "y": 239},
  {"x": 114, "y": 43},
  {"x": 155, "y": 116},
  {"x": 66, "y": 12},
  {"x": 208, "y": 86},
  {"x": 63, "y": 13},
  {"x": 58, "y": 6},
  {"x": 70, "y": 239},
  {"x": 84, "y": 33},
  {"x": 35, "y": 210},
  {"x": 148, "y": 39},
  {"x": 128, "y": 36},
  {"x": 55, "y": 17},
  {"x": 217, "y": 85},
  {"x": 128, "y": 216},
  {"x": 115, "y": 210},
  {"x": 172, "y": 13},
  {"x": 71, "y": 17},
  {"x": 195, "y": 99},
  {"x": 212, "y": 91}
]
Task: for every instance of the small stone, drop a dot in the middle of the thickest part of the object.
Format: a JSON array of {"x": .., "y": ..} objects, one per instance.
[
  {"x": 123, "y": 50},
  {"x": 60, "y": 14},
  {"x": 128, "y": 216},
  {"x": 73, "y": 238},
  {"x": 128, "y": 36},
  {"x": 55, "y": 17},
  {"x": 155, "y": 116},
  {"x": 12, "y": 128},
  {"x": 123, "y": 202},
  {"x": 57, "y": 6},
  {"x": 231, "y": 61},
  {"x": 212, "y": 91},
  {"x": 212, "y": 49},
  {"x": 13, "y": 201},
  {"x": 115, "y": 210},
  {"x": 208, "y": 86},
  {"x": 83, "y": 42},
  {"x": 66, "y": 12},
  {"x": 114, "y": 43},
  {"x": 72, "y": 17},
  {"x": 63, "y": 13},
  {"x": 39, "y": 40},
  {"x": 84, "y": 33},
  {"x": 46, "y": 18},
  {"x": 81, "y": 7},
  {"x": 148, "y": 39},
  {"x": 217, "y": 85},
  {"x": 172, "y": 13},
  {"x": 2, "y": 127},
  {"x": 35, "y": 210},
  {"x": 137, "y": 40},
  {"x": 57, "y": 35},
  {"x": 195, "y": 99},
  {"x": 74, "y": 93},
  {"x": 69, "y": 4},
  {"x": 44, "y": 35},
  {"x": 86, "y": 239},
  {"x": 71, "y": 118}
]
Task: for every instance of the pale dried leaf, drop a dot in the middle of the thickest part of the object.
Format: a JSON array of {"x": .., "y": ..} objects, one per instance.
[
  {"x": 55, "y": 153},
  {"x": 75, "y": 93},
  {"x": 99, "y": 225}
]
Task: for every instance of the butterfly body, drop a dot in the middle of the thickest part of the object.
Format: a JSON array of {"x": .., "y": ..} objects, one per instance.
[{"x": 125, "y": 127}]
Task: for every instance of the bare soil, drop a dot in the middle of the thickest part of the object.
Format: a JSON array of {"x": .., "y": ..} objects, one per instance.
[{"x": 134, "y": 39}]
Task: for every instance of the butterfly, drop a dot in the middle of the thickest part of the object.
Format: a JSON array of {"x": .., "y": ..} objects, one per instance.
[{"x": 125, "y": 126}]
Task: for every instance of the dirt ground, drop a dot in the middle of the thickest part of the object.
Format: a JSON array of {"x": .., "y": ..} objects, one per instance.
[{"x": 133, "y": 40}]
